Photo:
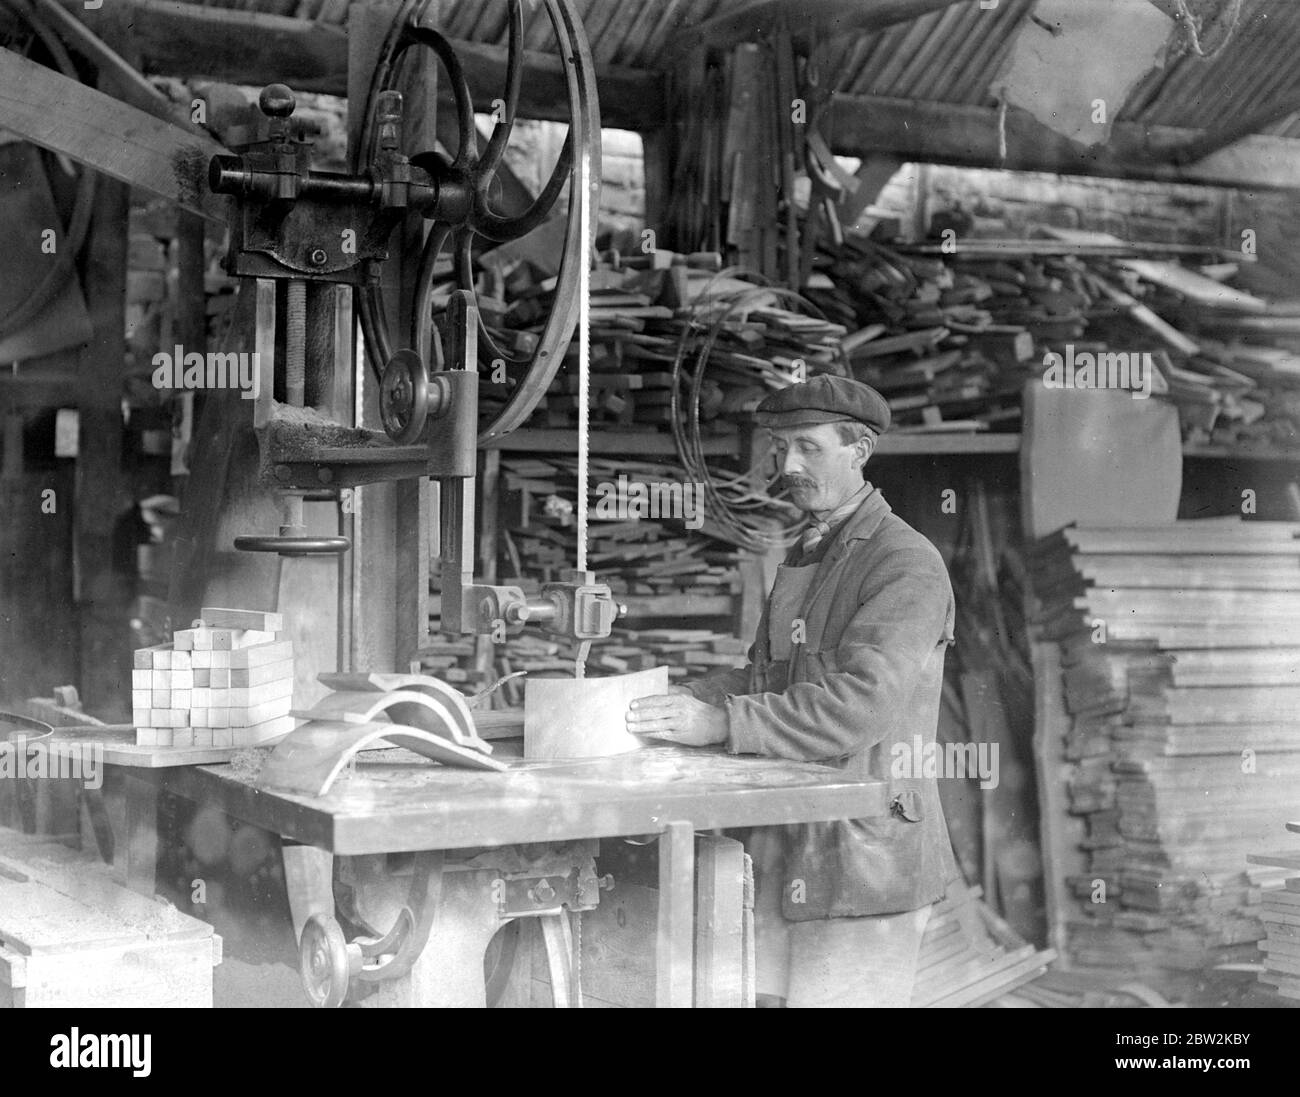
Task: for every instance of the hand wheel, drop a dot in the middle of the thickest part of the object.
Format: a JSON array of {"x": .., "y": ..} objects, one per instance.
[
  {"x": 326, "y": 962},
  {"x": 404, "y": 397},
  {"x": 409, "y": 398}
]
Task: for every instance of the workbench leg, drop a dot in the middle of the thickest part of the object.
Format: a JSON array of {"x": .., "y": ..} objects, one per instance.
[
  {"x": 719, "y": 925},
  {"x": 309, "y": 879},
  {"x": 674, "y": 948},
  {"x": 135, "y": 846}
]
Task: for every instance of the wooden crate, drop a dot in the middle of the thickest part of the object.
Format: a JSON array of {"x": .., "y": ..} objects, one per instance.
[{"x": 71, "y": 936}]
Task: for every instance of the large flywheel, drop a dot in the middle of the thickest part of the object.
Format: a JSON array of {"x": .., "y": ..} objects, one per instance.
[{"x": 403, "y": 364}]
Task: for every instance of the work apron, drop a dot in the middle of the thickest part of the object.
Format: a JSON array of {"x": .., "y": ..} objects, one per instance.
[{"x": 844, "y": 962}]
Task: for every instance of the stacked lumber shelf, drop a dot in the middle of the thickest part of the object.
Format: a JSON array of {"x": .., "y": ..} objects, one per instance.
[
  {"x": 639, "y": 320},
  {"x": 228, "y": 682},
  {"x": 950, "y": 339},
  {"x": 970, "y": 957},
  {"x": 1280, "y": 913},
  {"x": 1180, "y": 652}
]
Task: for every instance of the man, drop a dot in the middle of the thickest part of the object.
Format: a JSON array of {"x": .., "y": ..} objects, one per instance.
[{"x": 847, "y": 664}]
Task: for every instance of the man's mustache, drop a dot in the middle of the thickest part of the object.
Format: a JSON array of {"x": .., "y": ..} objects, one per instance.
[{"x": 798, "y": 482}]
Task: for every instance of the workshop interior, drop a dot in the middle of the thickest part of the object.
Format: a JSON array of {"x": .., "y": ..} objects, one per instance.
[{"x": 650, "y": 503}]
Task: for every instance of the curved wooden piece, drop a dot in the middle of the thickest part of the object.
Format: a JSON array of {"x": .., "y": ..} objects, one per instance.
[
  {"x": 463, "y": 730},
  {"x": 308, "y": 760},
  {"x": 412, "y": 708}
]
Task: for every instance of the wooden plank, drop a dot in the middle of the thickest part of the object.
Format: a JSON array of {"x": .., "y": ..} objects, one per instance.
[
  {"x": 584, "y": 718},
  {"x": 1008, "y": 973},
  {"x": 257, "y": 620},
  {"x": 106, "y": 134},
  {"x": 247, "y": 47},
  {"x": 1284, "y": 859},
  {"x": 759, "y": 18},
  {"x": 950, "y": 133},
  {"x": 1061, "y": 832},
  {"x": 719, "y": 923},
  {"x": 101, "y": 485},
  {"x": 1195, "y": 287},
  {"x": 675, "y": 936}
]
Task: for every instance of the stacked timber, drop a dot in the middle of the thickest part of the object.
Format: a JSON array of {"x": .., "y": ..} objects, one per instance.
[
  {"x": 1280, "y": 912},
  {"x": 1180, "y": 648},
  {"x": 644, "y": 322},
  {"x": 950, "y": 335}
]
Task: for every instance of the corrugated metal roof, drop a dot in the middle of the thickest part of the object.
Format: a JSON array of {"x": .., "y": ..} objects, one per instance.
[{"x": 948, "y": 56}]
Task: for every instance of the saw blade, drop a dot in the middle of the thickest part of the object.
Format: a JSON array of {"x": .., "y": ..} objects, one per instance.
[{"x": 584, "y": 375}]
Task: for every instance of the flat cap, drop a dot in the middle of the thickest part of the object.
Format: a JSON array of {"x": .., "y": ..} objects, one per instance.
[{"x": 824, "y": 399}]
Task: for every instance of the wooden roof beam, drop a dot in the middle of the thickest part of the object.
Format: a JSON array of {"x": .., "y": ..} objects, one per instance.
[
  {"x": 949, "y": 133},
  {"x": 243, "y": 47},
  {"x": 48, "y": 109},
  {"x": 808, "y": 20}
]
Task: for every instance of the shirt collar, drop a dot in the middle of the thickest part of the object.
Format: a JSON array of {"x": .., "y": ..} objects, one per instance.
[{"x": 843, "y": 511}]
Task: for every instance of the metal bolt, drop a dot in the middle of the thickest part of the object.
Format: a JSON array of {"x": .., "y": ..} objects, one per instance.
[
  {"x": 325, "y": 475},
  {"x": 318, "y": 257},
  {"x": 542, "y": 892},
  {"x": 283, "y": 473},
  {"x": 606, "y": 882}
]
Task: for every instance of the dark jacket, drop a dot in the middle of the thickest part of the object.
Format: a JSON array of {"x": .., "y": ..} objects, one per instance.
[{"x": 878, "y": 618}]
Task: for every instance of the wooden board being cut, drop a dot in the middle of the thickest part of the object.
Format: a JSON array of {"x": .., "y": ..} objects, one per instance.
[{"x": 585, "y": 717}]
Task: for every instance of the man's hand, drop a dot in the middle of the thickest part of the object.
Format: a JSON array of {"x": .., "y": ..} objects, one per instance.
[{"x": 678, "y": 718}]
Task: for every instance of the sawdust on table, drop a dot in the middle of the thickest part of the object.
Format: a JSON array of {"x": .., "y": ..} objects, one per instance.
[{"x": 248, "y": 762}]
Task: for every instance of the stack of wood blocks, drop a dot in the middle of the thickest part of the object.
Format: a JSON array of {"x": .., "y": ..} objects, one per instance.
[
  {"x": 228, "y": 682},
  {"x": 1180, "y": 651},
  {"x": 1280, "y": 913}
]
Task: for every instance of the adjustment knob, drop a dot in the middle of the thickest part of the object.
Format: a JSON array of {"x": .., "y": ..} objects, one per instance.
[{"x": 276, "y": 101}]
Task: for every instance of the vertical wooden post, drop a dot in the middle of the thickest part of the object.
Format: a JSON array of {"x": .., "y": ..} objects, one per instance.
[
  {"x": 674, "y": 947},
  {"x": 101, "y": 596},
  {"x": 719, "y": 923},
  {"x": 656, "y": 152},
  {"x": 1060, "y": 832}
]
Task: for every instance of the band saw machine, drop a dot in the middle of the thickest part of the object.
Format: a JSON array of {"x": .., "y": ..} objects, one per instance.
[{"x": 311, "y": 245}]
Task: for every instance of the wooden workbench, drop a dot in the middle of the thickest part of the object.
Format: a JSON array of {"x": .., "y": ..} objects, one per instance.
[
  {"x": 404, "y": 804},
  {"x": 396, "y": 802}
]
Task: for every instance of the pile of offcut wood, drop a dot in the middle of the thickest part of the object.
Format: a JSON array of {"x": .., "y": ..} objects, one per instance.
[
  {"x": 1180, "y": 649},
  {"x": 970, "y": 957}
]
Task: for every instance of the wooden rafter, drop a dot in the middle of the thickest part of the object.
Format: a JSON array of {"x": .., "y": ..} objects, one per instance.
[
  {"x": 48, "y": 109},
  {"x": 807, "y": 20},
  {"x": 244, "y": 47},
  {"x": 948, "y": 133}
]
